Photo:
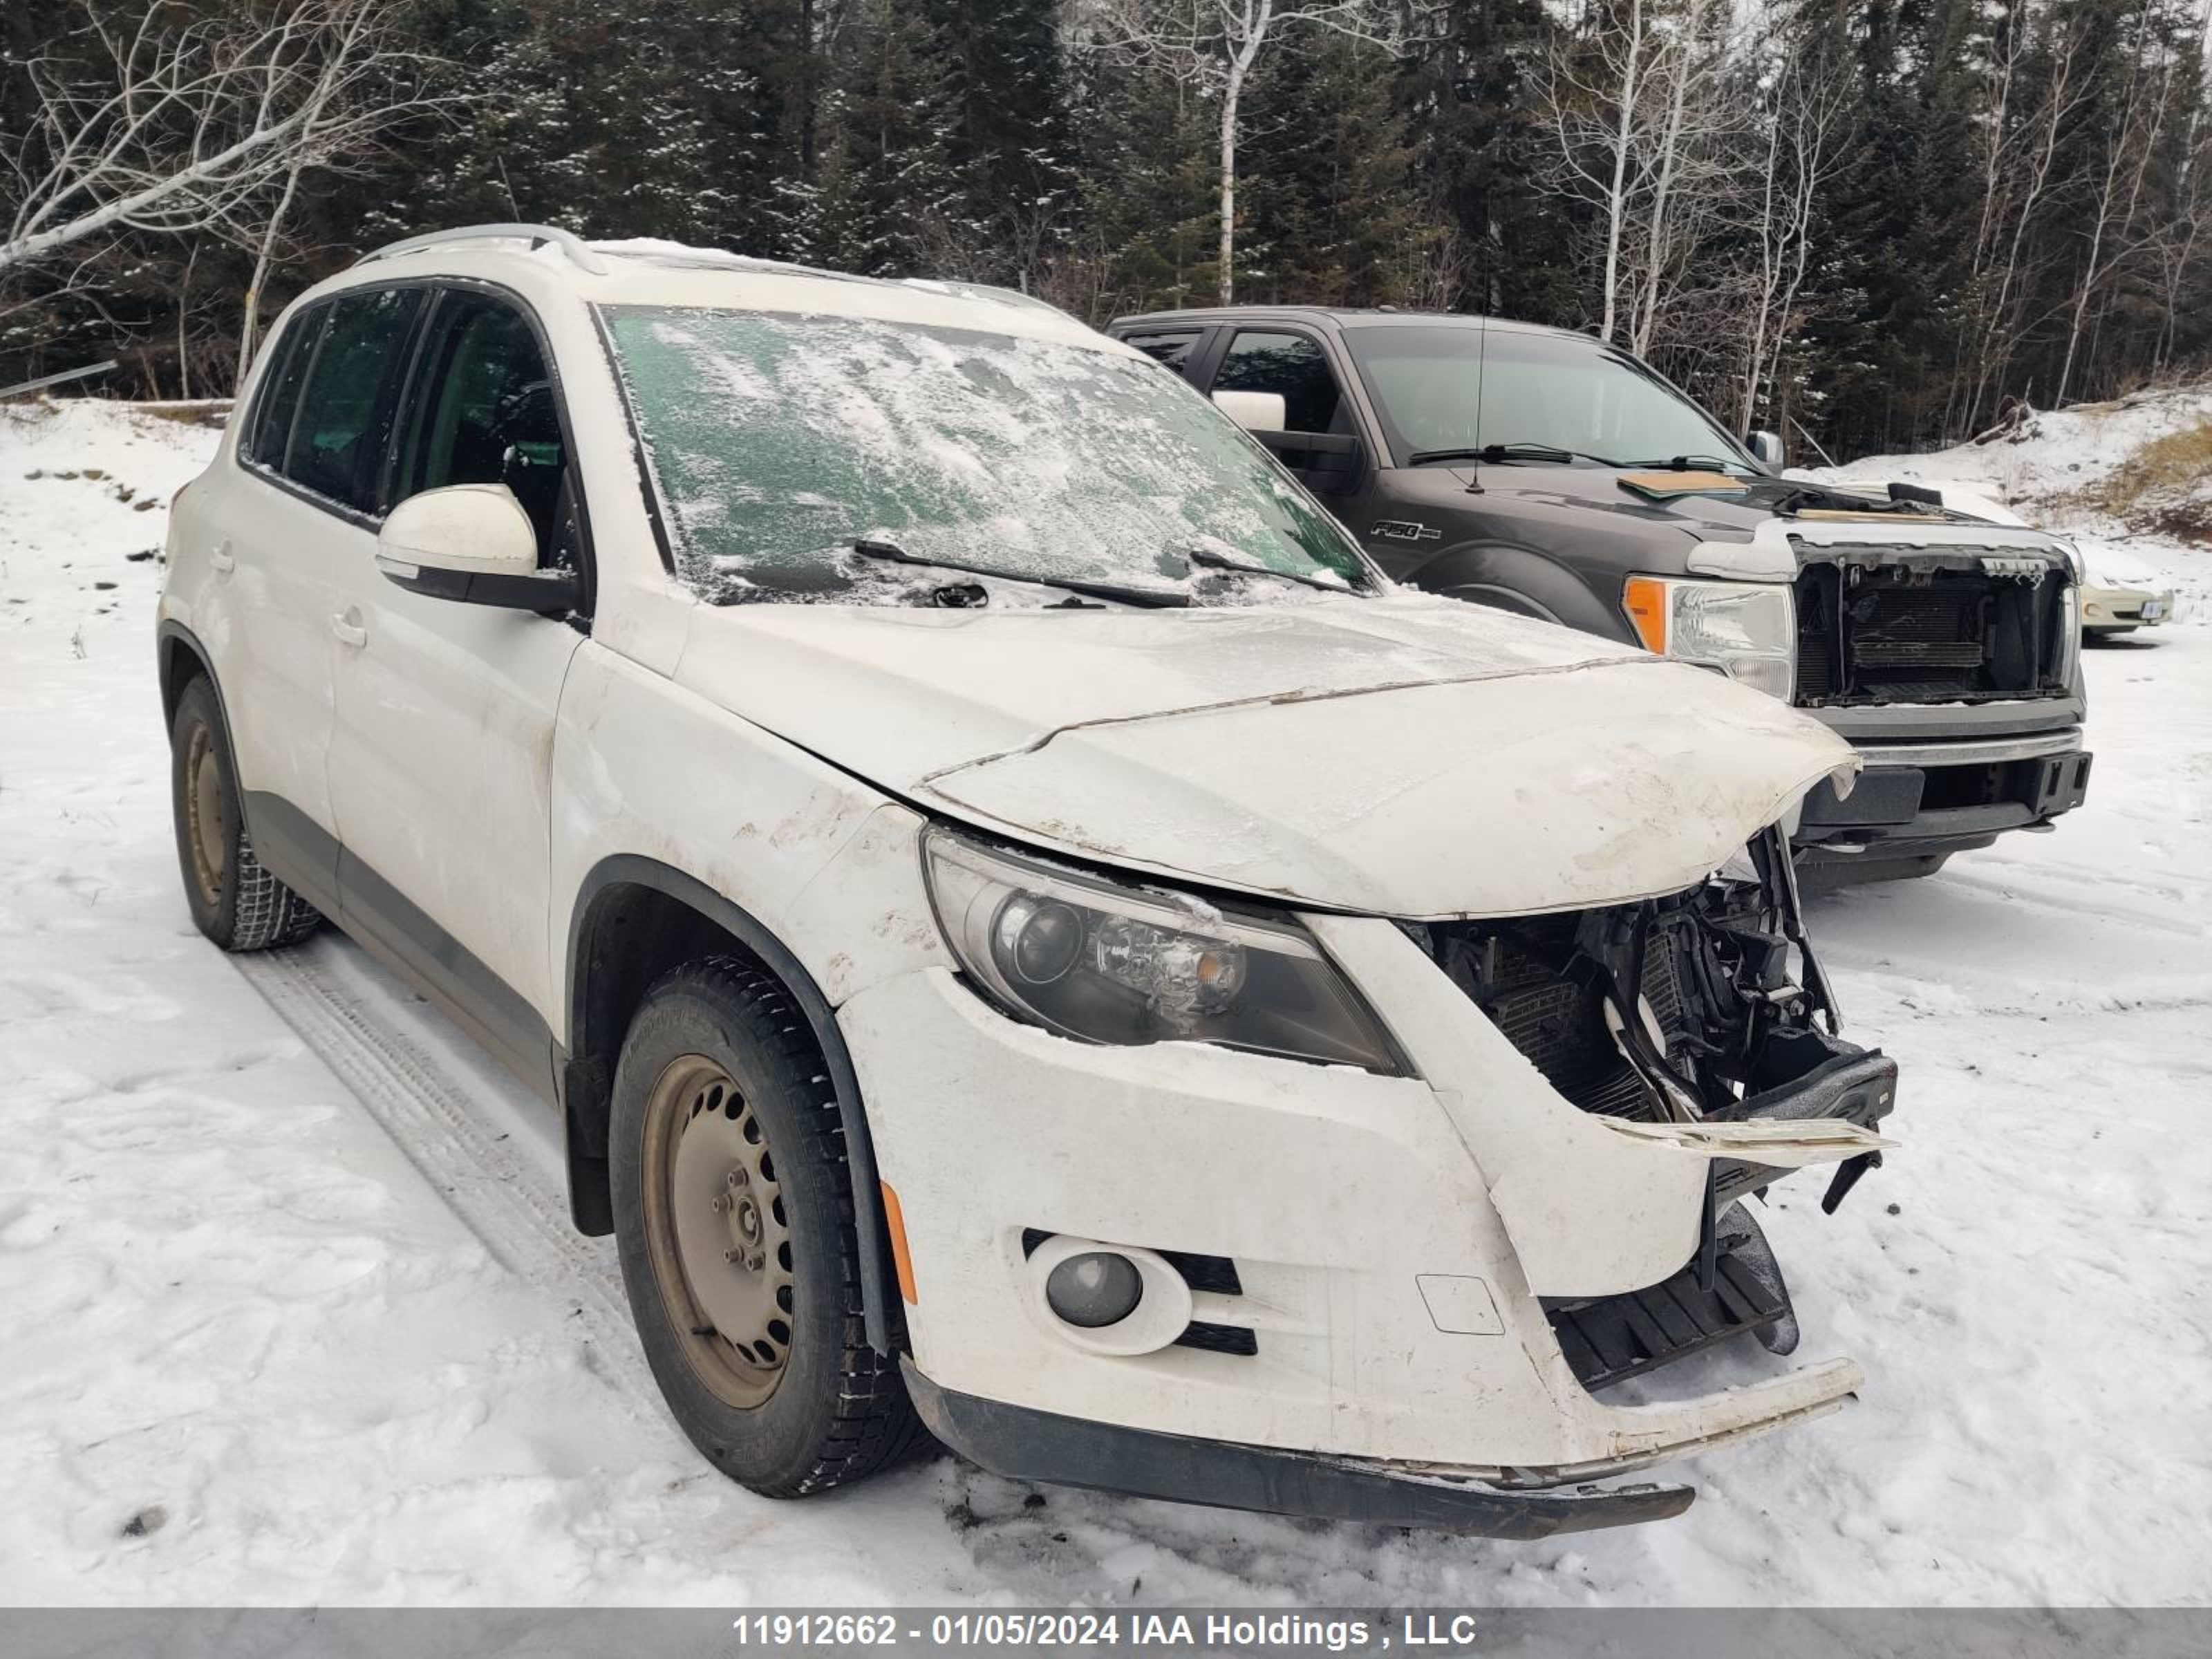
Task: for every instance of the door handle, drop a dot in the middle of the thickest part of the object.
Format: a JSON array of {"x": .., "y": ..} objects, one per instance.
[
  {"x": 222, "y": 558},
  {"x": 347, "y": 625}
]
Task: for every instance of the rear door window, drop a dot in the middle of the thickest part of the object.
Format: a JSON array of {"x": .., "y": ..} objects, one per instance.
[
  {"x": 345, "y": 415},
  {"x": 292, "y": 351},
  {"x": 1173, "y": 347}
]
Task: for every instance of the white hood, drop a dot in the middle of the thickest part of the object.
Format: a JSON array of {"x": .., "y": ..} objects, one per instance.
[{"x": 1405, "y": 757}]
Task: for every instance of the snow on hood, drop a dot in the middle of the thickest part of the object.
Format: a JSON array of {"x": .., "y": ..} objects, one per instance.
[{"x": 1403, "y": 757}]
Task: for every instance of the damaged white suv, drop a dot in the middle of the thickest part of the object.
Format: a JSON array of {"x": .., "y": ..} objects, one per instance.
[{"x": 1030, "y": 934}]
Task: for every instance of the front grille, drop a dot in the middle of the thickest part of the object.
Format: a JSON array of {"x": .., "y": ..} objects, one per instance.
[{"x": 1871, "y": 633}]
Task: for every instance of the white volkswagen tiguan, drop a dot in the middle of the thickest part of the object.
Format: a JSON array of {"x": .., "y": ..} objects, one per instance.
[{"x": 1027, "y": 932}]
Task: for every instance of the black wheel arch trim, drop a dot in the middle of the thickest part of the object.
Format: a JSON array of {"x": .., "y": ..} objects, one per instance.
[
  {"x": 1021, "y": 1442},
  {"x": 586, "y": 1076},
  {"x": 1547, "y": 588},
  {"x": 170, "y": 637}
]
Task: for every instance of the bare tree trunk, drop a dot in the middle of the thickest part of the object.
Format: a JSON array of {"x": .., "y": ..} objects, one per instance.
[
  {"x": 1645, "y": 318},
  {"x": 184, "y": 345},
  {"x": 1995, "y": 353},
  {"x": 2137, "y": 135},
  {"x": 1616, "y": 201},
  {"x": 249, "y": 325},
  {"x": 1230, "y": 97}
]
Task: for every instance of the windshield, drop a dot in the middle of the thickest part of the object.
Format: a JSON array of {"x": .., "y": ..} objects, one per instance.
[
  {"x": 778, "y": 442},
  {"x": 1463, "y": 388}
]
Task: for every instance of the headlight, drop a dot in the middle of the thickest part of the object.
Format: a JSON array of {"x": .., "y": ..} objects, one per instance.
[
  {"x": 1748, "y": 631},
  {"x": 1095, "y": 959},
  {"x": 2070, "y": 632}
]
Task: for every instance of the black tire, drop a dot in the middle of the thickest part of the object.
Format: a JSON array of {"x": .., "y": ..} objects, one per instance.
[
  {"x": 836, "y": 1411},
  {"x": 234, "y": 901}
]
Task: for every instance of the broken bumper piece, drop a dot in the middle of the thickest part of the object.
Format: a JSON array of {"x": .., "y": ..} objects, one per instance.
[
  {"x": 1026, "y": 1444},
  {"x": 1021, "y": 1442}
]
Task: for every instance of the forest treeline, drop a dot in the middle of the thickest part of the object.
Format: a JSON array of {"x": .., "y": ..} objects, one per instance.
[{"x": 1873, "y": 224}]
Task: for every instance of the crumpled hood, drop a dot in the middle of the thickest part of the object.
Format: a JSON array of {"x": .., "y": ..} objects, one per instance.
[{"x": 1405, "y": 757}]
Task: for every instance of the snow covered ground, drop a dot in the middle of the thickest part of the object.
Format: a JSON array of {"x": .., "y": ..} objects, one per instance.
[{"x": 288, "y": 1311}]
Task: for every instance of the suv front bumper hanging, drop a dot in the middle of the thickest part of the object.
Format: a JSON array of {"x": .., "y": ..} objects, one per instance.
[{"x": 1021, "y": 1442}]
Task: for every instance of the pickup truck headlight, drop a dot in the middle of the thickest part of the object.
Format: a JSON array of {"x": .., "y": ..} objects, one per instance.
[
  {"x": 1748, "y": 631},
  {"x": 1107, "y": 963},
  {"x": 2070, "y": 632}
]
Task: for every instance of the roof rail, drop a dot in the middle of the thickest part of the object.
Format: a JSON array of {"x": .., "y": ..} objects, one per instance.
[{"x": 580, "y": 252}]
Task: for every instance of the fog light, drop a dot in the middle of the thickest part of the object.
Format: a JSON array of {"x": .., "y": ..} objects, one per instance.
[{"x": 1095, "y": 1289}]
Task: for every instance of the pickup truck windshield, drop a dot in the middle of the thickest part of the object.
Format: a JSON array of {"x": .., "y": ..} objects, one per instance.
[
  {"x": 779, "y": 441},
  {"x": 1456, "y": 389}
]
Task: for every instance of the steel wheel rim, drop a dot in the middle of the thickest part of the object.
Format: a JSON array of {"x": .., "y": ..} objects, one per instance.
[
  {"x": 716, "y": 1230},
  {"x": 208, "y": 831}
]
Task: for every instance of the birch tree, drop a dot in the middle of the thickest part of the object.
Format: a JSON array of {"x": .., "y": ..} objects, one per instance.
[
  {"x": 174, "y": 123},
  {"x": 2129, "y": 146},
  {"x": 1807, "y": 129},
  {"x": 368, "y": 83},
  {"x": 1646, "y": 131},
  {"x": 2019, "y": 178},
  {"x": 1212, "y": 46}
]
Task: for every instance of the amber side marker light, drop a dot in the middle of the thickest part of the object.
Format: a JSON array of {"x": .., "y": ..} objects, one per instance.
[
  {"x": 1645, "y": 598},
  {"x": 895, "y": 1221}
]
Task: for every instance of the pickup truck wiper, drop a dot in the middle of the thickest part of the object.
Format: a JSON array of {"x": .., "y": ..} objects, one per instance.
[
  {"x": 1216, "y": 561},
  {"x": 1686, "y": 463},
  {"x": 892, "y": 553},
  {"x": 1496, "y": 453}
]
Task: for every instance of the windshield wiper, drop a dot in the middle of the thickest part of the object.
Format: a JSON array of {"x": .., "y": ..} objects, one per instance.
[
  {"x": 1686, "y": 463},
  {"x": 1213, "y": 560},
  {"x": 1496, "y": 453},
  {"x": 892, "y": 553}
]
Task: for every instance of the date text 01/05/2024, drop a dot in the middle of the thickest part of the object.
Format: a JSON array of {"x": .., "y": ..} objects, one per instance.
[{"x": 1070, "y": 1628}]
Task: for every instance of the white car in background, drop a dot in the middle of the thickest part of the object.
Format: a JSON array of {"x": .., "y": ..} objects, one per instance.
[
  {"x": 2119, "y": 592},
  {"x": 1027, "y": 931}
]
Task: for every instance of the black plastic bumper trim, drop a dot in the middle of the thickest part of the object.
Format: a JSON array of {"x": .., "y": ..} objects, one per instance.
[{"x": 1026, "y": 1444}]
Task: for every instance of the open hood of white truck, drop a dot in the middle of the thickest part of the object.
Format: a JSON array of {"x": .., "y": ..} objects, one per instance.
[{"x": 1405, "y": 757}]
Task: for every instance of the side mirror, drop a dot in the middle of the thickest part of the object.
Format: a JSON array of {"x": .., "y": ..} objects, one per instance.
[
  {"x": 1255, "y": 411},
  {"x": 1766, "y": 449},
  {"x": 473, "y": 544}
]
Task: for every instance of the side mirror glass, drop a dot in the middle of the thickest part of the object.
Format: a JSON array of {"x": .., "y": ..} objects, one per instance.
[
  {"x": 1766, "y": 449},
  {"x": 474, "y": 544},
  {"x": 1255, "y": 411}
]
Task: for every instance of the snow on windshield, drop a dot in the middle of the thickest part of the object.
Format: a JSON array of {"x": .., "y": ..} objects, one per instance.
[{"x": 779, "y": 440}]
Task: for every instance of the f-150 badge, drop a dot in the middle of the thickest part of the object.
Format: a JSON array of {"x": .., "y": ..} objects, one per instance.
[{"x": 1407, "y": 530}]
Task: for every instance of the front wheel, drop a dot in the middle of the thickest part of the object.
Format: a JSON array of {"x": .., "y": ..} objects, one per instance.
[
  {"x": 234, "y": 901},
  {"x": 734, "y": 1211}
]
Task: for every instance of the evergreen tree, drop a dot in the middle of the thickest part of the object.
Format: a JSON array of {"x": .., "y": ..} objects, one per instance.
[
  {"x": 1011, "y": 137},
  {"x": 1333, "y": 217},
  {"x": 892, "y": 199}
]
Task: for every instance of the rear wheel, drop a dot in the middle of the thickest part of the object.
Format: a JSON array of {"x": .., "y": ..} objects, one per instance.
[
  {"x": 233, "y": 900},
  {"x": 733, "y": 1210}
]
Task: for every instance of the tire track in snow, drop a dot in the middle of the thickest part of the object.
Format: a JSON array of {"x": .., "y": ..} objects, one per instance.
[{"x": 495, "y": 1189}]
